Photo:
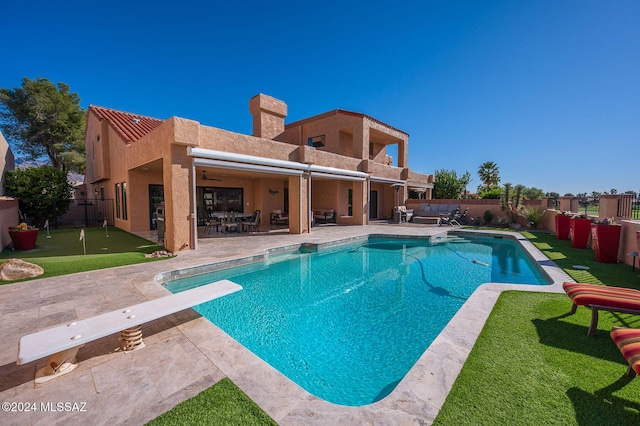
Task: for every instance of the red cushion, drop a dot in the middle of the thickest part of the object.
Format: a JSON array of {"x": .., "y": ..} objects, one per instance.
[
  {"x": 610, "y": 301},
  {"x": 572, "y": 289},
  {"x": 628, "y": 341}
]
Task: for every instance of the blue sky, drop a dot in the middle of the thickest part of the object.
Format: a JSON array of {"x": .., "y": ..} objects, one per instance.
[{"x": 549, "y": 90}]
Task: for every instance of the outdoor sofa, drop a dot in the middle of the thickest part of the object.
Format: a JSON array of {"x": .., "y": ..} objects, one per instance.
[{"x": 324, "y": 216}]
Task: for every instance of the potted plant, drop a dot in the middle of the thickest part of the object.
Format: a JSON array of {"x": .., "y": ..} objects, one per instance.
[
  {"x": 605, "y": 236},
  {"x": 580, "y": 228},
  {"x": 23, "y": 236},
  {"x": 563, "y": 225}
]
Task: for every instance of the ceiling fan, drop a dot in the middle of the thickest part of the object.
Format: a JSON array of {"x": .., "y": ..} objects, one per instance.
[{"x": 204, "y": 176}]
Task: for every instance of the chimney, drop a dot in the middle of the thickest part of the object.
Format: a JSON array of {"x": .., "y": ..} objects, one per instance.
[{"x": 268, "y": 116}]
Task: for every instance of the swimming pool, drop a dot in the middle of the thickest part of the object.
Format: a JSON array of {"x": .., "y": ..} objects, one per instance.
[{"x": 347, "y": 323}]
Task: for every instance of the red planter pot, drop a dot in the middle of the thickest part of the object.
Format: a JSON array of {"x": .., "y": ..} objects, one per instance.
[
  {"x": 605, "y": 242},
  {"x": 563, "y": 225},
  {"x": 580, "y": 230},
  {"x": 24, "y": 240}
]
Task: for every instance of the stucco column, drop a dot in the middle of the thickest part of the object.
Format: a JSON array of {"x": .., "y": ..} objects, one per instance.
[
  {"x": 298, "y": 205},
  {"x": 177, "y": 199},
  {"x": 566, "y": 204},
  {"x": 403, "y": 153},
  {"x": 360, "y": 202},
  {"x": 614, "y": 206},
  {"x": 361, "y": 142}
]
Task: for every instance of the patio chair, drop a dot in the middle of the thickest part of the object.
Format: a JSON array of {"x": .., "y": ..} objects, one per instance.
[
  {"x": 230, "y": 222},
  {"x": 628, "y": 341},
  {"x": 602, "y": 298},
  {"x": 211, "y": 223},
  {"x": 253, "y": 223}
]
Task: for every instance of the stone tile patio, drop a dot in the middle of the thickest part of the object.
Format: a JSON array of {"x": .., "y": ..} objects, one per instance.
[{"x": 186, "y": 354}]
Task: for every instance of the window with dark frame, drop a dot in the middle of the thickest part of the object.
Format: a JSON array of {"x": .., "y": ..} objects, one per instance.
[
  {"x": 222, "y": 199},
  {"x": 118, "y": 200},
  {"x": 316, "y": 141},
  {"x": 124, "y": 200}
]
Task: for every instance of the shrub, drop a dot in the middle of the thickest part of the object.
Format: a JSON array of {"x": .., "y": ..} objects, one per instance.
[
  {"x": 491, "y": 193},
  {"x": 487, "y": 216},
  {"x": 533, "y": 214},
  {"x": 43, "y": 191}
]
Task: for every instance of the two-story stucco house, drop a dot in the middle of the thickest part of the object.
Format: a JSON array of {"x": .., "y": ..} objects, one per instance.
[{"x": 336, "y": 160}]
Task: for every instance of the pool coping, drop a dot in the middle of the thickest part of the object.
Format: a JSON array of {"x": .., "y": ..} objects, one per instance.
[
  {"x": 186, "y": 354},
  {"x": 420, "y": 394}
]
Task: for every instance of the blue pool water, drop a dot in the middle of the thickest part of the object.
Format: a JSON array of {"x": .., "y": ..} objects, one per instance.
[{"x": 348, "y": 323}]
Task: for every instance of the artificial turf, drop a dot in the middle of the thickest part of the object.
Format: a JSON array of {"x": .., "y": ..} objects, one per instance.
[
  {"x": 222, "y": 404},
  {"x": 533, "y": 363},
  {"x": 63, "y": 252}
]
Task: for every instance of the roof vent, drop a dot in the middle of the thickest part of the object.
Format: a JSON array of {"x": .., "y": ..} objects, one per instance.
[{"x": 136, "y": 120}]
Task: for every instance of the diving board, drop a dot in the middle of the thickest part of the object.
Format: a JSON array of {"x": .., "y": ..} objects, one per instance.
[{"x": 63, "y": 342}]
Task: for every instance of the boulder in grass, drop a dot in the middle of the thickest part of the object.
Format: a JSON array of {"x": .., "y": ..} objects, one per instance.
[{"x": 16, "y": 269}]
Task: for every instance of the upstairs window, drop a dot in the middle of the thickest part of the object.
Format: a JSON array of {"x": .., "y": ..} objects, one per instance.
[{"x": 316, "y": 141}]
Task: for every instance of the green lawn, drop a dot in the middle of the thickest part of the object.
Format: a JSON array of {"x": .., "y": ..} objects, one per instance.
[
  {"x": 222, "y": 404},
  {"x": 63, "y": 253},
  {"x": 533, "y": 363}
]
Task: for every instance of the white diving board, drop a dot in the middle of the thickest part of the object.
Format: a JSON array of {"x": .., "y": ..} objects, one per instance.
[{"x": 74, "y": 334}]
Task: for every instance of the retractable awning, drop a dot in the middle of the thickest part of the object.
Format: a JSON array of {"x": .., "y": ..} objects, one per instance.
[
  {"x": 394, "y": 182},
  {"x": 251, "y": 163},
  {"x": 414, "y": 186}
]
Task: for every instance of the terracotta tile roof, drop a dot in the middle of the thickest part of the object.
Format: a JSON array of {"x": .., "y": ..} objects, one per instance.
[
  {"x": 130, "y": 127},
  {"x": 345, "y": 112}
]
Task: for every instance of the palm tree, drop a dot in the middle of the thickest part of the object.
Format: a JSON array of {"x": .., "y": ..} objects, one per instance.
[{"x": 489, "y": 173}]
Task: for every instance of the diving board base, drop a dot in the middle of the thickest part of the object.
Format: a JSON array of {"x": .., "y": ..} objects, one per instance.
[{"x": 59, "y": 364}]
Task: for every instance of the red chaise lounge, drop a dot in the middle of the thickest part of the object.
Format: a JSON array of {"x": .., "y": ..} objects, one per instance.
[
  {"x": 602, "y": 298},
  {"x": 628, "y": 341}
]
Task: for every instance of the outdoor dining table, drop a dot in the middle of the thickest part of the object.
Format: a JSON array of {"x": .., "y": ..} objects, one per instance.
[{"x": 239, "y": 217}]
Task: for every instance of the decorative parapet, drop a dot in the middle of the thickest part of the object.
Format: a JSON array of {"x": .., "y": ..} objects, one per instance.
[
  {"x": 569, "y": 204},
  {"x": 185, "y": 132},
  {"x": 618, "y": 206}
]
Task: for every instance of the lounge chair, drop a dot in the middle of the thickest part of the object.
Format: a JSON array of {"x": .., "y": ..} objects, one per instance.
[
  {"x": 628, "y": 341},
  {"x": 602, "y": 298},
  {"x": 452, "y": 219}
]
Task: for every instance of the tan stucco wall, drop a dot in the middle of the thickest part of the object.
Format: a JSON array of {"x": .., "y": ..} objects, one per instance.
[
  {"x": 324, "y": 194},
  {"x": 7, "y": 161},
  {"x": 402, "y": 140},
  {"x": 334, "y": 194},
  {"x": 386, "y": 199},
  {"x": 224, "y": 140},
  {"x": 629, "y": 242},
  {"x": 268, "y": 116},
  {"x": 349, "y": 135},
  {"x": 8, "y": 217}
]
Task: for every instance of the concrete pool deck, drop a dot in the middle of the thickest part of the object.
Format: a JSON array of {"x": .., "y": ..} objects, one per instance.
[{"x": 186, "y": 354}]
